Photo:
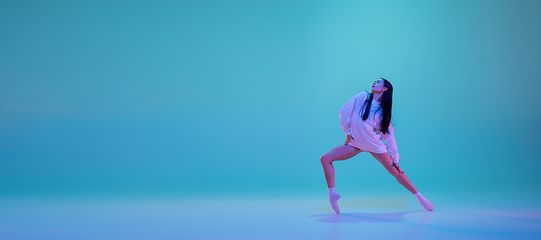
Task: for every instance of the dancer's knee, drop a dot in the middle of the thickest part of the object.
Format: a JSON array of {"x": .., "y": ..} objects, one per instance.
[
  {"x": 393, "y": 171},
  {"x": 326, "y": 159}
]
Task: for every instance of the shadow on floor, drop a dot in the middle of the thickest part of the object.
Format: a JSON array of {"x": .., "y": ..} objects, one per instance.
[{"x": 357, "y": 217}]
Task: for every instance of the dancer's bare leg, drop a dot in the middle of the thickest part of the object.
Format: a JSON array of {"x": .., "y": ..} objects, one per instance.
[
  {"x": 340, "y": 152},
  {"x": 387, "y": 162}
]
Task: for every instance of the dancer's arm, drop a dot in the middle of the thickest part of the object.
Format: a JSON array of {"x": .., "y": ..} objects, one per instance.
[
  {"x": 347, "y": 110},
  {"x": 390, "y": 142}
]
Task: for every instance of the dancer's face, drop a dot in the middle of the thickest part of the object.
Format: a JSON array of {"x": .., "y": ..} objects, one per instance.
[{"x": 378, "y": 86}]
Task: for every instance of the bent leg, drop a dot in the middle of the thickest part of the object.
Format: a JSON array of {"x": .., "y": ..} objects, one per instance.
[
  {"x": 388, "y": 164},
  {"x": 340, "y": 152}
]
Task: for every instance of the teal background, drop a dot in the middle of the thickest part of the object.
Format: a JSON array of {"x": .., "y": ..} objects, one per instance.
[{"x": 219, "y": 98}]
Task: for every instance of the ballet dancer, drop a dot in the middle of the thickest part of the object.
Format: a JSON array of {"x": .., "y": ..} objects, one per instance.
[{"x": 366, "y": 120}]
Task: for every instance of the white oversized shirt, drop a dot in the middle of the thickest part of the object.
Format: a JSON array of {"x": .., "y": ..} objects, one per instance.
[{"x": 363, "y": 133}]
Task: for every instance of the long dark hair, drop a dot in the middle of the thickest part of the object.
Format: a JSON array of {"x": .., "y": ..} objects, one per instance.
[{"x": 386, "y": 105}]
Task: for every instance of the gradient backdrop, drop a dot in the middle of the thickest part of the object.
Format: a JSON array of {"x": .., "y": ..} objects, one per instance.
[{"x": 241, "y": 98}]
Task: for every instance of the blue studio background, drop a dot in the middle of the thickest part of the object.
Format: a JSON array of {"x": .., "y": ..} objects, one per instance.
[{"x": 241, "y": 98}]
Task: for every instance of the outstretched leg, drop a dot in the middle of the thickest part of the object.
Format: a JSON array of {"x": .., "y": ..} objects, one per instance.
[
  {"x": 387, "y": 162},
  {"x": 341, "y": 152}
]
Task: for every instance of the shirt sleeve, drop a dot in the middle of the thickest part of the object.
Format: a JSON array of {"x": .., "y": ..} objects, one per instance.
[
  {"x": 390, "y": 142},
  {"x": 346, "y": 112}
]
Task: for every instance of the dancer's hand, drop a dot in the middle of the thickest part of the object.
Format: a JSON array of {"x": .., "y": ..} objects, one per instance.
[
  {"x": 348, "y": 140},
  {"x": 398, "y": 168}
]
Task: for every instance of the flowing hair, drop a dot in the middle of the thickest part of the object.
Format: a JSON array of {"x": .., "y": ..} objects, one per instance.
[{"x": 386, "y": 105}]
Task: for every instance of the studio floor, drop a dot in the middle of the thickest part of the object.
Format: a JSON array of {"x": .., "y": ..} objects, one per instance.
[{"x": 361, "y": 217}]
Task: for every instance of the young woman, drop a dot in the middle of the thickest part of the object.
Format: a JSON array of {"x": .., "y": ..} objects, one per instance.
[{"x": 366, "y": 120}]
